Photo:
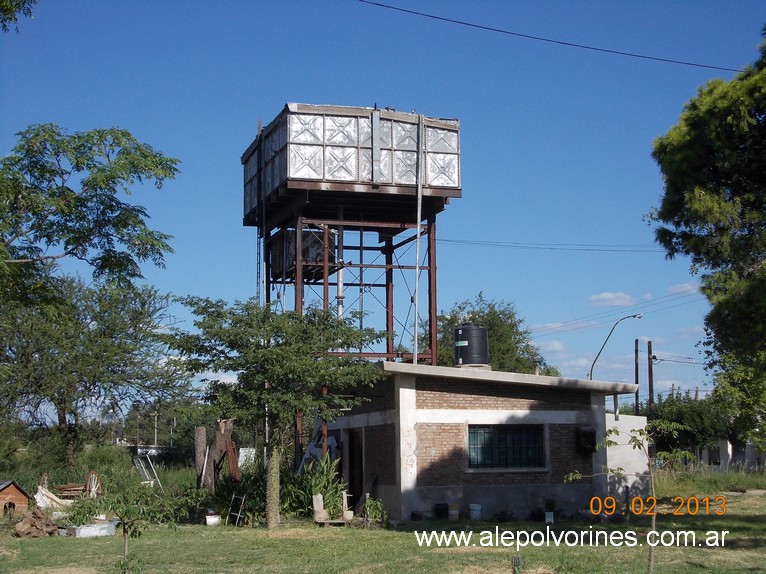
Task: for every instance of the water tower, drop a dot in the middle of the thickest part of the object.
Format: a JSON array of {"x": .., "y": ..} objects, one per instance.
[{"x": 345, "y": 201}]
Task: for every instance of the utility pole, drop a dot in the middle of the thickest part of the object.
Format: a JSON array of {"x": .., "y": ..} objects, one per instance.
[
  {"x": 650, "y": 377},
  {"x": 155, "y": 427},
  {"x": 635, "y": 355}
]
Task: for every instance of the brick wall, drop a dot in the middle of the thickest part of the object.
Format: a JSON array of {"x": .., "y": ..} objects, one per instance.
[
  {"x": 377, "y": 398},
  {"x": 441, "y": 454},
  {"x": 456, "y": 394},
  {"x": 564, "y": 456},
  {"x": 443, "y": 460},
  {"x": 380, "y": 453}
]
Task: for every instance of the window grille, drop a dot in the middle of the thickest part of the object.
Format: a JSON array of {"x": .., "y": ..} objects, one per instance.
[{"x": 506, "y": 446}]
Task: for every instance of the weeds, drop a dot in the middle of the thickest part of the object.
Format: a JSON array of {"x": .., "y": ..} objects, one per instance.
[{"x": 702, "y": 480}]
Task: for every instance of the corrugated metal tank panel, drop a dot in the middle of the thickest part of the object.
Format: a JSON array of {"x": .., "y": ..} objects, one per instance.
[{"x": 363, "y": 147}]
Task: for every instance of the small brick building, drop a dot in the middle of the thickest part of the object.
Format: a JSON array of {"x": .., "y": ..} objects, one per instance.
[
  {"x": 432, "y": 436},
  {"x": 13, "y": 499}
]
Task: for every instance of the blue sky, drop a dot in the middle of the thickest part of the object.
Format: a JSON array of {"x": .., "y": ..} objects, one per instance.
[{"x": 555, "y": 140}]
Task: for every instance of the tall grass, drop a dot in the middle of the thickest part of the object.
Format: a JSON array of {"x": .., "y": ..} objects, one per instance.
[
  {"x": 113, "y": 465},
  {"x": 117, "y": 473},
  {"x": 295, "y": 490},
  {"x": 305, "y": 548},
  {"x": 702, "y": 480}
]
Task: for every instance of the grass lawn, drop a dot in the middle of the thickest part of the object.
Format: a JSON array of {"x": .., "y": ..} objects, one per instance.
[{"x": 302, "y": 547}]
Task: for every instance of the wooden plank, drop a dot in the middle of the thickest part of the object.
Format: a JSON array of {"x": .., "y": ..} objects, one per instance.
[{"x": 331, "y": 522}]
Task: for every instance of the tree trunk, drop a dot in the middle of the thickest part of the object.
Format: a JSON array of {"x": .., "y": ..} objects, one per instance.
[
  {"x": 272, "y": 488},
  {"x": 200, "y": 444},
  {"x": 68, "y": 436},
  {"x": 217, "y": 453},
  {"x": 125, "y": 546},
  {"x": 737, "y": 450}
]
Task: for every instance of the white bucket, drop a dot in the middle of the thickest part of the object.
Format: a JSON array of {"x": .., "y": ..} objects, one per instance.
[
  {"x": 474, "y": 511},
  {"x": 212, "y": 520},
  {"x": 454, "y": 512}
]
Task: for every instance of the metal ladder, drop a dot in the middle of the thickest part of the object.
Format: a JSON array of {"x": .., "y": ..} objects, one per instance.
[{"x": 238, "y": 514}]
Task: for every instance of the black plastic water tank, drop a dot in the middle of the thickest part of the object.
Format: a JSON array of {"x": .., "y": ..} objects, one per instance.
[{"x": 471, "y": 346}]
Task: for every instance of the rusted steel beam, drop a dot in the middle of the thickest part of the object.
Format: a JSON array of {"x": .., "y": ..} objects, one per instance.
[
  {"x": 325, "y": 268},
  {"x": 299, "y": 265},
  {"x": 432, "y": 310},
  {"x": 389, "y": 252},
  {"x": 354, "y": 224}
]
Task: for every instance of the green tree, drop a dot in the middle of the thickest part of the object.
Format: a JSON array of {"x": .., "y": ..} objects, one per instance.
[
  {"x": 714, "y": 210},
  {"x": 96, "y": 347},
  {"x": 740, "y": 397},
  {"x": 509, "y": 342},
  {"x": 713, "y": 163},
  {"x": 137, "y": 507},
  {"x": 644, "y": 441},
  {"x": 701, "y": 421},
  {"x": 10, "y": 10},
  {"x": 60, "y": 196},
  {"x": 283, "y": 362}
]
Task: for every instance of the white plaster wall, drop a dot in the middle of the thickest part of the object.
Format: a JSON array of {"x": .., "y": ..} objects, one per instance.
[
  {"x": 406, "y": 445},
  {"x": 600, "y": 482},
  {"x": 633, "y": 462}
]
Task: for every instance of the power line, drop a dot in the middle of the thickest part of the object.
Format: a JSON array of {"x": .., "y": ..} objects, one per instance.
[
  {"x": 548, "y": 40},
  {"x": 556, "y": 246},
  {"x": 665, "y": 358},
  {"x": 597, "y": 319},
  {"x": 681, "y": 362},
  {"x": 590, "y": 321}
]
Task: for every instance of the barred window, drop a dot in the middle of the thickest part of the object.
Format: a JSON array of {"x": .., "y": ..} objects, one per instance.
[{"x": 506, "y": 446}]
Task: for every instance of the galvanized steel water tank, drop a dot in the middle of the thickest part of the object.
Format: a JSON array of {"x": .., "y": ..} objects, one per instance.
[
  {"x": 348, "y": 156},
  {"x": 471, "y": 345}
]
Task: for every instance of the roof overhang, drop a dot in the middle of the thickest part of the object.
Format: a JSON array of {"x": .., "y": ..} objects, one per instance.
[
  {"x": 484, "y": 375},
  {"x": 6, "y": 483}
]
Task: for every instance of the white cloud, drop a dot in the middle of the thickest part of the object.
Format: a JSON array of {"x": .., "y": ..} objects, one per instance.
[
  {"x": 222, "y": 377},
  {"x": 551, "y": 347},
  {"x": 662, "y": 386},
  {"x": 577, "y": 364},
  {"x": 684, "y": 288},
  {"x": 608, "y": 299}
]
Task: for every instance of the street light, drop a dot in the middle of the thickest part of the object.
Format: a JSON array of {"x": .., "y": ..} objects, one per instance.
[{"x": 637, "y": 316}]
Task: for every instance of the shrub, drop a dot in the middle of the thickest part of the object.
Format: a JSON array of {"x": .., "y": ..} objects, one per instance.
[
  {"x": 318, "y": 477},
  {"x": 374, "y": 512},
  {"x": 252, "y": 485},
  {"x": 295, "y": 490}
]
